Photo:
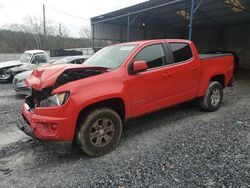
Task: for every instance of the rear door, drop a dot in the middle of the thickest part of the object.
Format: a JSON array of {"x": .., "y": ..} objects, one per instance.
[
  {"x": 148, "y": 91},
  {"x": 185, "y": 70}
]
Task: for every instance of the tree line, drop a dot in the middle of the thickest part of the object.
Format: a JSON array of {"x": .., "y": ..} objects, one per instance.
[
  {"x": 15, "y": 38},
  {"x": 18, "y": 42}
]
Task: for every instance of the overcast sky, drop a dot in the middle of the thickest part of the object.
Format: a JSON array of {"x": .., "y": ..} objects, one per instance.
[{"x": 15, "y": 11}]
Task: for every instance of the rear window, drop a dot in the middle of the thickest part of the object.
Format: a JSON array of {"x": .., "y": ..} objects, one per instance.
[{"x": 181, "y": 52}]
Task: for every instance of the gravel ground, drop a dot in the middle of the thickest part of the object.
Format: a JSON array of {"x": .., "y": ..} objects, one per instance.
[{"x": 177, "y": 147}]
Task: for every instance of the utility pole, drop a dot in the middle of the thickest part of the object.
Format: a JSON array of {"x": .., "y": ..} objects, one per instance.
[
  {"x": 44, "y": 26},
  {"x": 60, "y": 29}
]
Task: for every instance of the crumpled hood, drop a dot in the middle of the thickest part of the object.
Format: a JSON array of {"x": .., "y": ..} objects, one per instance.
[
  {"x": 46, "y": 76},
  {"x": 24, "y": 67},
  {"x": 10, "y": 64}
]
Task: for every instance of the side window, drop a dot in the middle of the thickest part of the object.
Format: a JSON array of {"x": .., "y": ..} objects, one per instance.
[
  {"x": 153, "y": 55},
  {"x": 181, "y": 51},
  {"x": 79, "y": 61},
  {"x": 39, "y": 59},
  {"x": 34, "y": 61}
]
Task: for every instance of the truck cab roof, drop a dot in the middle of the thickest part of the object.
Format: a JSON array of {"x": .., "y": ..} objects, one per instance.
[
  {"x": 34, "y": 51},
  {"x": 155, "y": 40}
]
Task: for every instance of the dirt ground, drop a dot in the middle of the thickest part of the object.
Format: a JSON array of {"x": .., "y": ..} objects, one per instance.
[{"x": 177, "y": 147}]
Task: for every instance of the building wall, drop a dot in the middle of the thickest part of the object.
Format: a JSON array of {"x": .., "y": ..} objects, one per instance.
[
  {"x": 235, "y": 39},
  {"x": 119, "y": 33},
  {"x": 206, "y": 40},
  {"x": 238, "y": 39}
]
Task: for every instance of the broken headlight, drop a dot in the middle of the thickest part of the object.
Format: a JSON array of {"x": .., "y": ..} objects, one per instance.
[{"x": 55, "y": 100}]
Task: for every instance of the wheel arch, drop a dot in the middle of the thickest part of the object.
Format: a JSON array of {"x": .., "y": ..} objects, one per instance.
[
  {"x": 219, "y": 78},
  {"x": 116, "y": 104},
  {"x": 207, "y": 78}
]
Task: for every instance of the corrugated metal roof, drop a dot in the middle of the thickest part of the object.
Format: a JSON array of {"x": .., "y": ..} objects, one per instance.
[{"x": 211, "y": 13}]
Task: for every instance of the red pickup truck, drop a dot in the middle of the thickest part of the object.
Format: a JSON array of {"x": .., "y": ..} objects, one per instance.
[{"x": 89, "y": 103}]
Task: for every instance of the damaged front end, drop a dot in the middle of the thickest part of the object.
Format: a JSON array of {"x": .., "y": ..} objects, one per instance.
[
  {"x": 72, "y": 75},
  {"x": 45, "y": 99},
  {"x": 43, "y": 114},
  {"x": 43, "y": 86}
]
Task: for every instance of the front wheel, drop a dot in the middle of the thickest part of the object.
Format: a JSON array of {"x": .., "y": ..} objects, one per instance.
[
  {"x": 213, "y": 97},
  {"x": 99, "y": 132}
]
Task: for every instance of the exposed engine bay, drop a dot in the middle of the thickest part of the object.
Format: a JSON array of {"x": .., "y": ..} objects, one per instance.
[
  {"x": 68, "y": 75},
  {"x": 76, "y": 74}
]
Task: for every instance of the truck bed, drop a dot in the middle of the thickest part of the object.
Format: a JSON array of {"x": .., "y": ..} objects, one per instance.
[
  {"x": 212, "y": 64},
  {"x": 206, "y": 56}
]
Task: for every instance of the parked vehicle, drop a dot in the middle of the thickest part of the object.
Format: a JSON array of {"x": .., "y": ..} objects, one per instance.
[
  {"x": 29, "y": 59},
  {"x": 19, "y": 85},
  {"x": 89, "y": 103}
]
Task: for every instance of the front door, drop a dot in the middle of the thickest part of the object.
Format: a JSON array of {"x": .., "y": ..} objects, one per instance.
[{"x": 148, "y": 90}]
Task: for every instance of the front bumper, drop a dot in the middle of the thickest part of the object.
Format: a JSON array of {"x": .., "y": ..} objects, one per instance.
[
  {"x": 25, "y": 127},
  {"x": 55, "y": 132},
  {"x": 49, "y": 126},
  {"x": 6, "y": 79},
  {"x": 58, "y": 146}
]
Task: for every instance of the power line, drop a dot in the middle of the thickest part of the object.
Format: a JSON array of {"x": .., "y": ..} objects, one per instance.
[{"x": 68, "y": 14}]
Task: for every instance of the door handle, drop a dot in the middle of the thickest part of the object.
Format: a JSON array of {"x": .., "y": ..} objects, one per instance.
[
  {"x": 167, "y": 74},
  {"x": 194, "y": 67}
]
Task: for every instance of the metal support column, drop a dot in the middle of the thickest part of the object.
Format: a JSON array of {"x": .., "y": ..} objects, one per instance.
[
  {"x": 128, "y": 29},
  {"x": 191, "y": 21},
  {"x": 121, "y": 34},
  {"x": 93, "y": 37}
]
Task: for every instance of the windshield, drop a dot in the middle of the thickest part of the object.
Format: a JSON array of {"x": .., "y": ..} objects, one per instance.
[
  {"x": 110, "y": 57},
  {"x": 25, "y": 58}
]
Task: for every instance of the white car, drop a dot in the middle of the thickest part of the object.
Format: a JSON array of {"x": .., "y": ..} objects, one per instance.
[{"x": 19, "y": 85}]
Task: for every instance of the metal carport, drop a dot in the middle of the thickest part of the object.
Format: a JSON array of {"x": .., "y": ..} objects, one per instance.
[{"x": 206, "y": 22}]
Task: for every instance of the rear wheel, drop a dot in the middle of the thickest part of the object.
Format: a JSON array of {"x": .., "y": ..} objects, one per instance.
[
  {"x": 99, "y": 132},
  {"x": 213, "y": 98}
]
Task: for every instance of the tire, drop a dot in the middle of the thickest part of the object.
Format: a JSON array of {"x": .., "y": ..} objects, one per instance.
[
  {"x": 99, "y": 132},
  {"x": 213, "y": 97}
]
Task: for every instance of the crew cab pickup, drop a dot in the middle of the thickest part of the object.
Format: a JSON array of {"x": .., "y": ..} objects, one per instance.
[{"x": 89, "y": 103}]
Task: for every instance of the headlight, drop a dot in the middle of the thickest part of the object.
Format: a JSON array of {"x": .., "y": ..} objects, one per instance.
[
  {"x": 55, "y": 100},
  {"x": 17, "y": 81},
  {"x": 10, "y": 72},
  {"x": 21, "y": 80},
  {"x": 4, "y": 74}
]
